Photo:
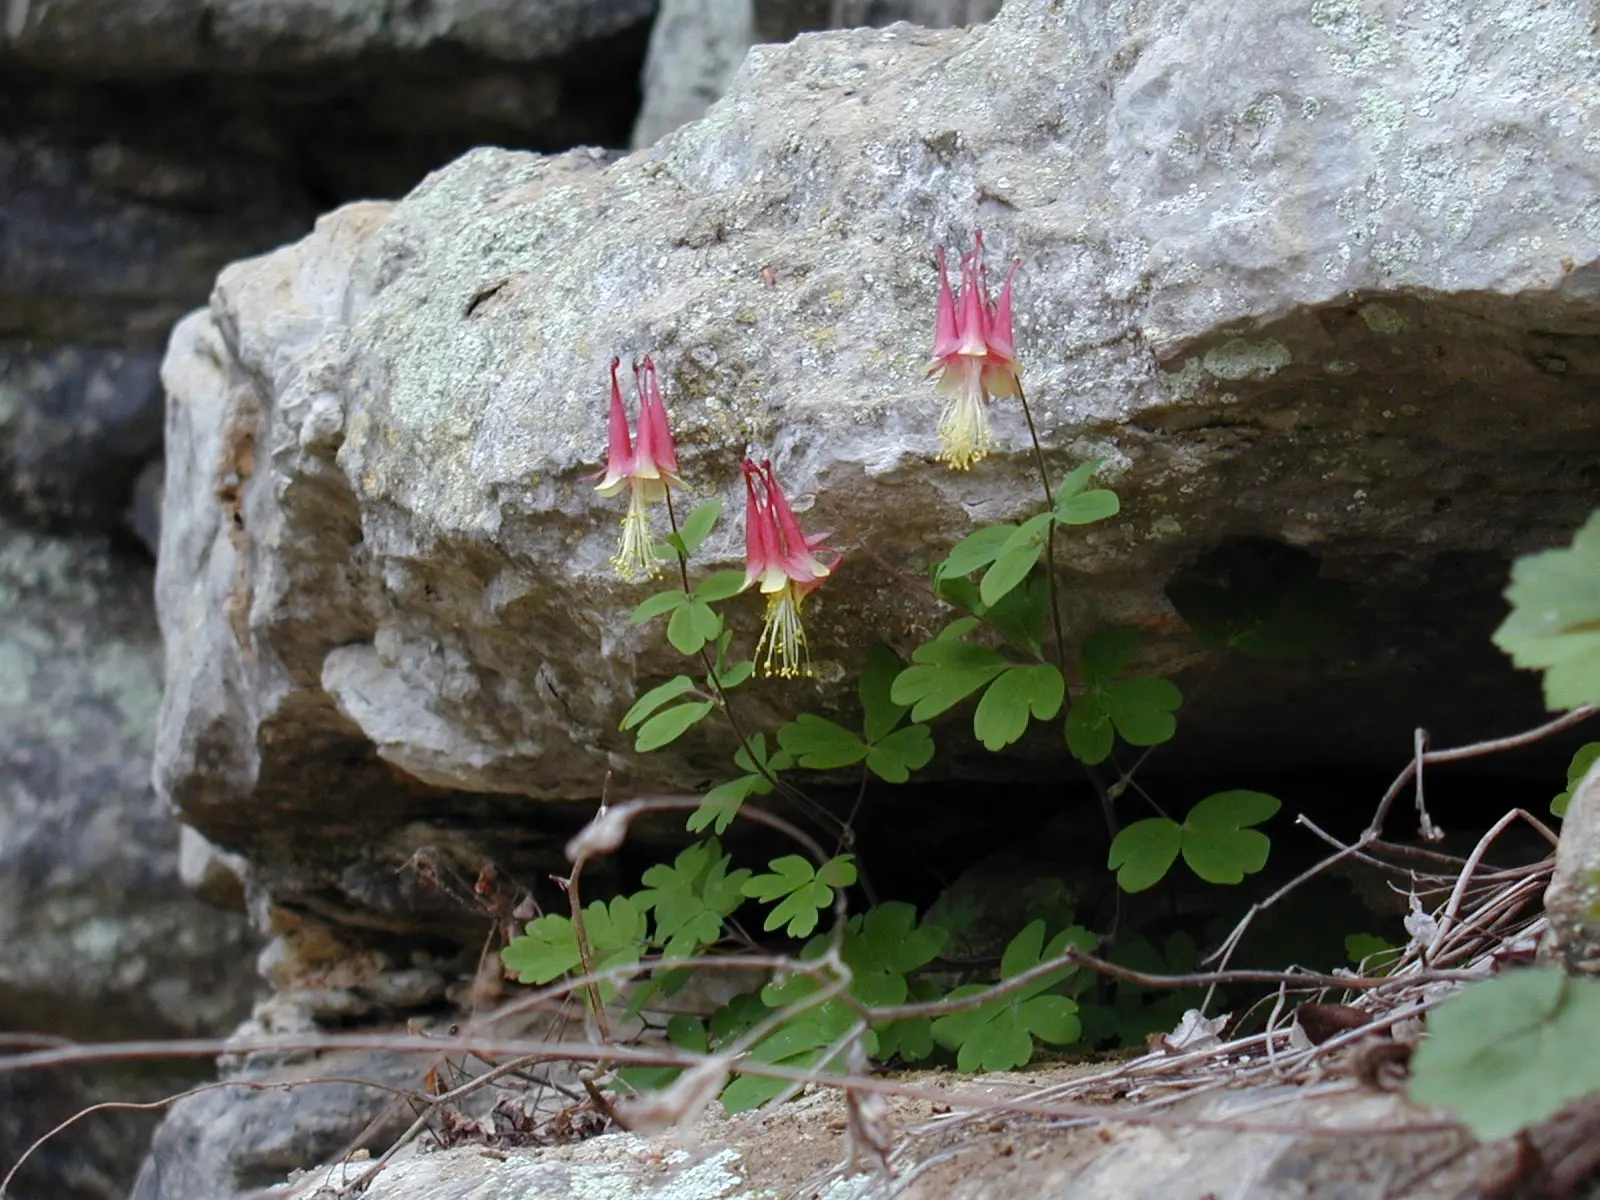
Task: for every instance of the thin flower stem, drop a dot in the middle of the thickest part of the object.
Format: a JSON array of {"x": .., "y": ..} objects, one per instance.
[{"x": 1107, "y": 807}]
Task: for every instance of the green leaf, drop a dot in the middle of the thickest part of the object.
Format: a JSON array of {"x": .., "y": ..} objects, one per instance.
[
  {"x": 1020, "y": 616},
  {"x": 1370, "y": 952},
  {"x": 1218, "y": 844},
  {"x": 1076, "y": 481},
  {"x": 734, "y": 674},
  {"x": 946, "y": 674},
  {"x": 959, "y": 628},
  {"x": 721, "y": 804},
  {"x": 691, "y": 897},
  {"x": 820, "y": 744},
  {"x": 1554, "y": 623},
  {"x": 1579, "y": 767},
  {"x": 699, "y": 524},
  {"x": 978, "y": 549},
  {"x": 719, "y": 586},
  {"x": 885, "y": 945},
  {"x": 1508, "y": 1052},
  {"x": 655, "y": 605},
  {"x": 1107, "y": 654},
  {"x": 1017, "y": 556},
  {"x": 801, "y": 890},
  {"x": 1089, "y": 507},
  {"x": 1142, "y": 853},
  {"x": 999, "y": 1036},
  {"x": 547, "y": 949},
  {"x": 693, "y": 625},
  {"x": 880, "y": 713},
  {"x": 655, "y": 698},
  {"x": 1261, "y": 598},
  {"x": 893, "y": 758},
  {"x": 666, "y": 727},
  {"x": 1090, "y": 736},
  {"x": 1002, "y": 715},
  {"x": 1141, "y": 710}
]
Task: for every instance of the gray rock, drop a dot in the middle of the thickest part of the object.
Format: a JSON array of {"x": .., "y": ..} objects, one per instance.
[
  {"x": 77, "y": 426},
  {"x": 697, "y": 45},
  {"x": 229, "y": 1143},
  {"x": 1572, "y": 901},
  {"x": 183, "y": 35},
  {"x": 101, "y": 939},
  {"x": 1283, "y": 297},
  {"x": 798, "y": 1149}
]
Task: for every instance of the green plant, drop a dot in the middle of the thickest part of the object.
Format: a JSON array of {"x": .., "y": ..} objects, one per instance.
[{"x": 1006, "y": 647}]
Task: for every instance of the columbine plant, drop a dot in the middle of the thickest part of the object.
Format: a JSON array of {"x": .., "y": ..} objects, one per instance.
[
  {"x": 646, "y": 465},
  {"x": 974, "y": 355},
  {"x": 788, "y": 565}
]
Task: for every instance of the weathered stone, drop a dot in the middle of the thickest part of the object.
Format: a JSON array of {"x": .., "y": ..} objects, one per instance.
[
  {"x": 143, "y": 36},
  {"x": 101, "y": 940},
  {"x": 1283, "y": 298},
  {"x": 77, "y": 426},
  {"x": 697, "y": 45},
  {"x": 798, "y": 1149}
]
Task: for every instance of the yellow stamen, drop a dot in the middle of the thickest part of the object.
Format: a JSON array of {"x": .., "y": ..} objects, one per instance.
[
  {"x": 964, "y": 429},
  {"x": 783, "y": 636},
  {"x": 636, "y": 555}
]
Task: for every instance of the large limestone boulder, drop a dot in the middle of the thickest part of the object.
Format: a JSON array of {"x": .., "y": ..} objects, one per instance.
[{"x": 1343, "y": 295}]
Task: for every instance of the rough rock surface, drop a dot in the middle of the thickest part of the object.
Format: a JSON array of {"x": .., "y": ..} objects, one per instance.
[
  {"x": 1347, "y": 299},
  {"x": 697, "y": 45},
  {"x": 798, "y": 1149},
  {"x": 101, "y": 939}
]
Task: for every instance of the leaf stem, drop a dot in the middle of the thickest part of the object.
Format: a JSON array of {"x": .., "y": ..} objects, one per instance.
[{"x": 1107, "y": 807}]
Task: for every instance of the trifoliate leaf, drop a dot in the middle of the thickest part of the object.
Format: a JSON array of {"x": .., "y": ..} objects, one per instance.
[
  {"x": 1508, "y": 1052},
  {"x": 1218, "y": 844},
  {"x": 692, "y": 626},
  {"x": 945, "y": 674},
  {"x": 720, "y": 805},
  {"x": 1259, "y": 597},
  {"x": 880, "y": 713},
  {"x": 655, "y": 698},
  {"x": 661, "y": 602},
  {"x": 1555, "y": 618},
  {"x": 978, "y": 549},
  {"x": 820, "y": 744},
  {"x": 1020, "y": 617},
  {"x": 1016, "y": 557},
  {"x": 802, "y": 891},
  {"x": 892, "y": 759},
  {"x": 1107, "y": 654},
  {"x": 1075, "y": 506},
  {"x": 719, "y": 586},
  {"x": 1142, "y": 853},
  {"x": 1002, "y": 715},
  {"x": 666, "y": 727},
  {"x": 699, "y": 524},
  {"x": 1141, "y": 710},
  {"x": 999, "y": 1036},
  {"x": 1076, "y": 481},
  {"x": 1090, "y": 736},
  {"x": 547, "y": 949},
  {"x": 1576, "y": 770}
]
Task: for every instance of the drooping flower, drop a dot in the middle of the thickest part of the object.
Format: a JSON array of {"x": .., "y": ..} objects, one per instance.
[
  {"x": 788, "y": 565},
  {"x": 647, "y": 465},
  {"x": 974, "y": 353}
]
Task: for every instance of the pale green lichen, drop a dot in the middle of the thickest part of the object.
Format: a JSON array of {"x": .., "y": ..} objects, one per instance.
[
  {"x": 1382, "y": 319},
  {"x": 1187, "y": 382},
  {"x": 1340, "y": 366},
  {"x": 1242, "y": 359}
]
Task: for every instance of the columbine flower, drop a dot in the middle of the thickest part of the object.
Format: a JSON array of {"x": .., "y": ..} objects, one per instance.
[
  {"x": 648, "y": 465},
  {"x": 974, "y": 352},
  {"x": 788, "y": 565}
]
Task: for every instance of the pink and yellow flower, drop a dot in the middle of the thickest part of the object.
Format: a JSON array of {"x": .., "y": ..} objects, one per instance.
[
  {"x": 647, "y": 465},
  {"x": 787, "y": 564},
  {"x": 974, "y": 353}
]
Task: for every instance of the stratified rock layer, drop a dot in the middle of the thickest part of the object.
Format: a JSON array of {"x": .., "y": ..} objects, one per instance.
[{"x": 1345, "y": 296}]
